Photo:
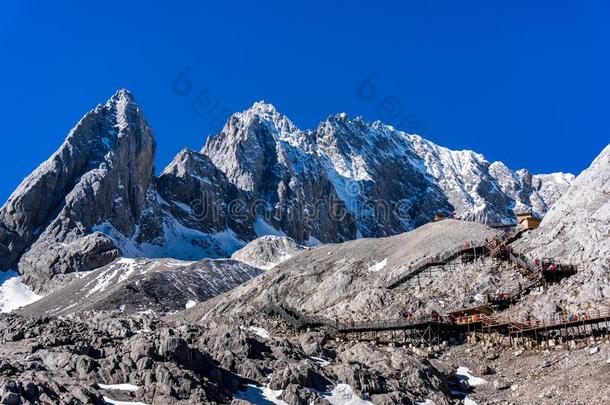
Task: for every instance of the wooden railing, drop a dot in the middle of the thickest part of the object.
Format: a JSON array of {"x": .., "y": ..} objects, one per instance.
[
  {"x": 299, "y": 321},
  {"x": 562, "y": 320},
  {"x": 422, "y": 264}
]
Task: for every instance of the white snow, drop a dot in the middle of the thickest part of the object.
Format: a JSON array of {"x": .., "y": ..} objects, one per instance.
[
  {"x": 116, "y": 402},
  {"x": 106, "y": 278},
  {"x": 262, "y": 228},
  {"x": 13, "y": 293},
  {"x": 262, "y": 332},
  {"x": 190, "y": 304},
  {"x": 260, "y": 395},
  {"x": 343, "y": 394},
  {"x": 179, "y": 242},
  {"x": 119, "y": 387},
  {"x": 379, "y": 266},
  {"x": 465, "y": 373}
]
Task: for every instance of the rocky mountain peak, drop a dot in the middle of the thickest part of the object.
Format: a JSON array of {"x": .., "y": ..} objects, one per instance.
[
  {"x": 265, "y": 114},
  {"x": 577, "y": 226},
  {"x": 101, "y": 173},
  {"x": 97, "y": 197}
]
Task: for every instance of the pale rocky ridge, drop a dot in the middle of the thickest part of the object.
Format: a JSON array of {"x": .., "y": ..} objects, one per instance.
[
  {"x": 268, "y": 251},
  {"x": 576, "y": 230}
]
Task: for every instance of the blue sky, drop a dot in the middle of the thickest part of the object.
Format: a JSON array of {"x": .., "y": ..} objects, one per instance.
[{"x": 523, "y": 82}]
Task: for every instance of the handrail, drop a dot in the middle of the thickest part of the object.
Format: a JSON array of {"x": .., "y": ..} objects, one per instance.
[
  {"x": 564, "y": 319},
  {"x": 516, "y": 325},
  {"x": 423, "y": 263}
]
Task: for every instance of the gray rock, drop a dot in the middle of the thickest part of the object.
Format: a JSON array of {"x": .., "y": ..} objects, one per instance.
[
  {"x": 500, "y": 385},
  {"x": 97, "y": 197},
  {"x": 301, "y": 373},
  {"x": 101, "y": 173},
  {"x": 297, "y": 395},
  {"x": 128, "y": 285}
]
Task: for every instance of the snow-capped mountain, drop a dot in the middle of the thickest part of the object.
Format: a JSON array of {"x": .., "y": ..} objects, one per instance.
[
  {"x": 383, "y": 181},
  {"x": 97, "y": 197}
]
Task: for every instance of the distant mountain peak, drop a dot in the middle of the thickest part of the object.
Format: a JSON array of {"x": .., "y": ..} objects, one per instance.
[{"x": 262, "y": 106}]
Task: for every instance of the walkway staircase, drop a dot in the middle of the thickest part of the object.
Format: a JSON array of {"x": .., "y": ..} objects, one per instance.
[{"x": 421, "y": 265}]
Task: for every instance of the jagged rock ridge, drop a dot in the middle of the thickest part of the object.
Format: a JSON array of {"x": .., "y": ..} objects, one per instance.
[
  {"x": 97, "y": 197},
  {"x": 388, "y": 181}
]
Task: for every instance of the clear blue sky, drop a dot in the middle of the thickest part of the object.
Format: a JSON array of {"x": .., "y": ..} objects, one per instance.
[{"x": 523, "y": 82}]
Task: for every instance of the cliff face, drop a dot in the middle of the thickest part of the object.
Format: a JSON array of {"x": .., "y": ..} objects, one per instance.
[
  {"x": 381, "y": 180},
  {"x": 102, "y": 172},
  {"x": 577, "y": 227}
]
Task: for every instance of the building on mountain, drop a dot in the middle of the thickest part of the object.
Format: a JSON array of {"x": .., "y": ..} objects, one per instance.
[
  {"x": 439, "y": 217},
  {"x": 527, "y": 220}
]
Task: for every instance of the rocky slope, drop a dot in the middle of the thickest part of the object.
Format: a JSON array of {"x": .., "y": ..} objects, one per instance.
[
  {"x": 102, "y": 171},
  {"x": 135, "y": 285},
  {"x": 347, "y": 281},
  {"x": 97, "y": 197},
  {"x": 577, "y": 230}
]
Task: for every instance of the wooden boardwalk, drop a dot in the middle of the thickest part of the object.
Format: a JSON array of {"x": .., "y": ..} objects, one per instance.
[
  {"x": 479, "y": 319},
  {"x": 422, "y": 265},
  {"x": 435, "y": 328},
  {"x": 501, "y": 250}
]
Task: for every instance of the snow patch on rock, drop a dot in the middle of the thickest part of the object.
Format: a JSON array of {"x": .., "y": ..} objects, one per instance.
[
  {"x": 379, "y": 266},
  {"x": 13, "y": 293},
  {"x": 343, "y": 394},
  {"x": 119, "y": 387}
]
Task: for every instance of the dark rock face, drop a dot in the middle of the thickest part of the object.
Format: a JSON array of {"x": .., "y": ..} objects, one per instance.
[
  {"x": 263, "y": 153},
  {"x": 101, "y": 173},
  {"x": 200, "y": 196}
]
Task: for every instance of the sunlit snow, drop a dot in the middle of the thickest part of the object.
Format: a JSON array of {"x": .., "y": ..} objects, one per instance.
[
  {"x": 13, "y": 293},
  {"x": 379, "y": 266}
]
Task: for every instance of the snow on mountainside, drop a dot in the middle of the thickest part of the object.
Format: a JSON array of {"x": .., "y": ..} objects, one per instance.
[
  {"x": 97, "y": 197},
  {"x": 389, "y": 181},
  {"x": 13, "y": 293},
  {"x": 131, "y": 285}
]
